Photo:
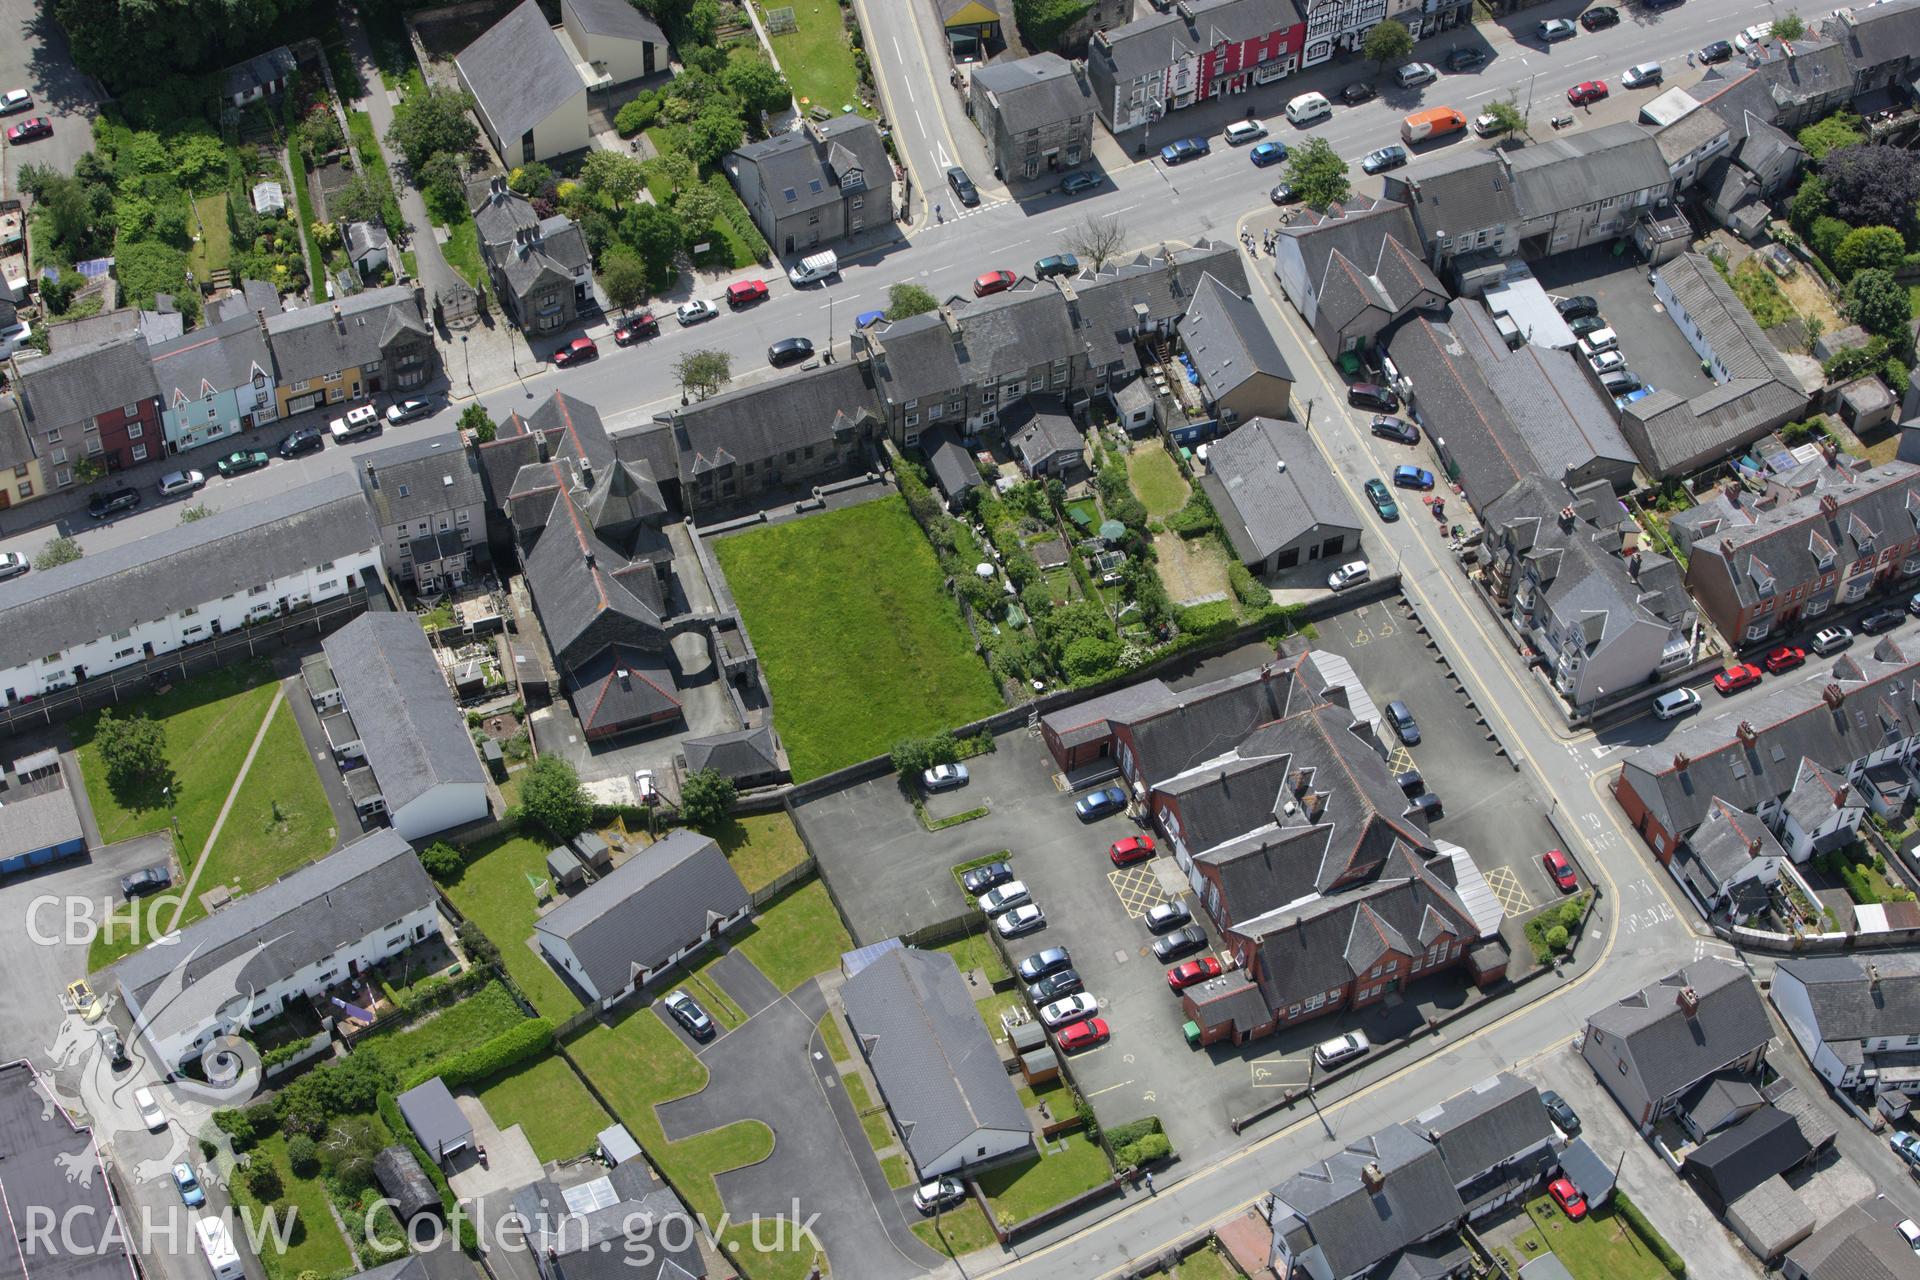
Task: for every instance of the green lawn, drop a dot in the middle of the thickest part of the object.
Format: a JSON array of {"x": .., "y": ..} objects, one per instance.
[
  {"x": 816, "y": 57},
  {"x": 493, "y": 893},
  {"x": 861, "y": 645},
  {"x": 965, "y": 1229},
  {"x": 835, "y": 1043},
  {"x": 975, "y": 952},
  {"x": 1157, "y": 479},
  {"x": 367, "y": 147},
  {"x": 895, "y": 1167},
  {"x": 799, "y": 935},
  {"x": 873, "y": 1121},
  {"x": 313, "y": 1243},
  {"x": 462, "y": 252},
  {"x": 458, "y": 1027},
  {"x": 546, "y": 1099},
  {"x": 214, "y": 249},
  {"x": 762, "y": 847},
  {"x": 1600, "y": 1247},
  {"x": 1019, "y": 1191}
]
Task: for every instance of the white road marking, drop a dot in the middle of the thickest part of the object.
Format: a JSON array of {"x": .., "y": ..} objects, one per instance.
[
  {"x": 906, "y": 80},
  {"x": 946, "y": 162}
]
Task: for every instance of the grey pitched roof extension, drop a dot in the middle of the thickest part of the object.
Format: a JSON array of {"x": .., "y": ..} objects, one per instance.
[
  {"x": 519, "y": 460},
  {"x": 1034, "y": 93},
  {"x": 1103, "y": 308},
  {"x": 78, "y": 384},
  {"x": 314, "y": 341},
  {"x": 1271, "y": 485},
  {"x": 930, "y": 1053},
  {"x": 225, "y": 357},
  {"x": 621, "y": 686},
  {"x": 1227, "y": 340},
  {"x": 1729, "y": 839},
  {"x": 1673, "y": 1050},
  {"x": 639, "y": 1232},
  {"x": 1582, "y": 168},
  {"x": 1047, "y": 432},
  {"x": 652, "y": 905},
  {"x": 952, "y": 466},
  {"x": 1855, "y": 999},
  {"x": 235, "y": 548},
  {"x": 15, "y": 449},
  {"x": 519, "y": 72},
  {"x": 615, "y": 18},
  {"x": 416, "y": 738},
  {"x": 420, "y": 478},
  {"x": 744, "y": 753}
]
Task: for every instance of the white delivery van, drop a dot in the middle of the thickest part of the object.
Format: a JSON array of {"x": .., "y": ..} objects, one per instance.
[
  {"x": 815, "y": 268},
  {"x": 1308, "y": 107},
  {"x": 216, "y": 1244}
]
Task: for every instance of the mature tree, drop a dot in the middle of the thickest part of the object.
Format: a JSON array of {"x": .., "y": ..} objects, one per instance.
[
  {"x": 443, "y": 185},
  {"x": 759, "y": 87},
  {"x": 914, "y": 756},
  {"x": 1841, "y": 129},
  {"x": 1316, "y": 173},
  {"x": 1097, "y": 241},
  {"x": 905, "y": 300},
  {"x": 1387, "y": 42},
  {"x": 1875, "y": 185},
  {"x": 638, "y": 114},
  {"x": 1810, "y": 200},
  {"x": 443, "y": 862},
  {"x": 623, "y": 274},
  {"x": 1868, "y": 247},
  {"x": 553, "y": 798},
  {"x": 706, "y": 798},
  {"x": 59, "y": 550},
  {"x": 1878, "y": 303},
  {"x": 696, "y": 210},
  {"x": 199, "y": 162},
  {"x": 611, "y": 175},
  {"x": 1788, "y": 26},
  {"x": 654, "y": 234},
  {"x": 530, "y": 179},
  {"x": 134, "y": 749},
  {"x": 701, "y": 373},
  {"x": 714, "y": 132},
  {"x": 673, "y": 169},
  {"x": 1507, "y": 115},
  {"x": 437, "y": 120},
  {"x": 474, "y": 418},
  {"x": 363, "y": 198}
]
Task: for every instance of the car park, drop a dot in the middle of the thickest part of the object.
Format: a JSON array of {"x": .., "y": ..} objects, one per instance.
[
  {"x": 147, "y": 880},
  {"x": 1358, "y": 92},
  {"x": 1587, "y": 91},
  {"x": 1054, "y": 986},
  {"x": 1383, "y": 504},
  {"x": 695, "y": 312},
  {"x": 1074, "y": 1008},
  {"x": 1598, "y": 340},
  {"x": 1832, "y": 640},
  {"x": 1022, "y": 919},
  {"x": 579, "y": 351},
  {"x": 1586, "y": 325},
  {"x": 1384, "y": 159},
  {"x": 1188, "y": 972},
  {"x": 1005, "y": 897},
  {"x": 1344, "y": 1048},
  {"x": 1267, "y": 153},
  {"x": 115, "y": 1048},
  {"x": 1347, "y": 575},
  {"x": 1414, "y": 74},
  {"x": 1405, "y": 727},
  {"x": 1162, "y": 916},
  {"x": 1079, "y": 180},
  {"x": 1784, "y": 658},
  {"x": 963, "y": 188},
  {"x": 1410, "y": 781},
  {"x": 1468, "y": 58},
  {"x": 634, "y": 328},
  {"x": 1675, "y": 703},
  {"x": 1098, "y": 804},
  {"x": 1408, "y": 476},
  {"x": 1059, "y": 264},
  {"x": 1554, "y": 30},
  {"x": 941, "y": 1193},
  {"x": 102, "y": 505},
  {"x": 305, "y": 440},
  {"x": 789, "y": 351},
  {"x": 1621, "y": 382},
  {"x": 1371, "y": 395},
  {"x": 1568, "y": 1197},
  {"x": 150, "y": 1113},
  {"x": 1607, "y": 362},
  {"x": 1396, "y": 429},
  {"x": 30, "y": 129},
  {"x": 994, "y": 282},
  {"x": 1561, "y": 1112},
  {"x": 1041, "y": 963},
  {"x": 14, "y": 101},
  {"x": 188, "y": 1186},
  {"x": 1881, "y": 620},
  {"x": 1283, "y": 193},
  {"x": 1178, "y": 943},
  {"x": 746, "y": 293},
  {"x": 1736, "y": 678},
  {"x": 1560, "y": 869},
  {"x": 1578, "y": 305},
  {"x": 1131, "y": 849},
  {"x": 1642, "y": 74},
  {"x": 1717, "y": 51},
  {"x": 1241, "y": 132},
  {"x": 1184, "y": 150},
  {"x": 686, "y": 1011},
  {"x": 1600, "y": 17},
  {"x": 944, "y": 777},
  {"x": 1082, "y": 1035},
  {"x": 13, "y": 564},
  {"x": 980, "y": 879}
]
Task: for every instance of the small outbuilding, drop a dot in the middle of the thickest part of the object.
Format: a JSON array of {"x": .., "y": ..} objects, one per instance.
[
  {"x": 566, "y": 869},
  {"x": 436, "y": 1119},
  {"x": 405, "y": 1183}
]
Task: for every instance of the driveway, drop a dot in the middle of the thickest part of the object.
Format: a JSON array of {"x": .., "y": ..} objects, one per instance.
[{"x": 1648, "y": 338}]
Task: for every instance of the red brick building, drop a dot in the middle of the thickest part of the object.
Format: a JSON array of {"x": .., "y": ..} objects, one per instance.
[{"x": 98, "y": 401}]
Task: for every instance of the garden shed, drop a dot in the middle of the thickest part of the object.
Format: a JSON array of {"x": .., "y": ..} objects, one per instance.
[{"x": 405, "y": 1183}]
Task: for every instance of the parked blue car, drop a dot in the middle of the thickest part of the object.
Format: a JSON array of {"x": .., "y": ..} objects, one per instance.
[
  {"x": 1411, "y": 477},
  {"x": 1267, "y": 153},
  {"x": 1184, "y": 150},
  {"x": 1098, "y": 804},
  {"x": 867, "y": 319}
]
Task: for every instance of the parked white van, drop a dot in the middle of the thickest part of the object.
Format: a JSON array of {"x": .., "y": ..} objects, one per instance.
[
  {"x": 1598, "y": 341},
  {"x": 216, "y": 1245},
  {"x": 1309, "y": 107},
  {"x": 815, "y": 268}
]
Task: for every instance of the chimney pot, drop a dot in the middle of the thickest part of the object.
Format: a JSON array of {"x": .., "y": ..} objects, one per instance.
[
  {"x": 1373, "y": 1177},
  {"x": 1681, "y": 760},
  {"x": 1748, "y": 734},
  {"x": 1689, "y": 1002}
]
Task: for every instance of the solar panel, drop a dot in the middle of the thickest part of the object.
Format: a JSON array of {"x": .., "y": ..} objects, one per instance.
[{"x": 589, "y": 1196}]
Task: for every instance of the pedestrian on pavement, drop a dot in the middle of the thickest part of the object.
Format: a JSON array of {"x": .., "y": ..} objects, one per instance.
[{"x": 1149, "y": 1178}]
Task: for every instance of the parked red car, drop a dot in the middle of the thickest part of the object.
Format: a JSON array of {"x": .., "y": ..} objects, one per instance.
[
  {"x": 1587, "y": 91},
  {"x": 744, "y": 293},
  {"x": 1131, "y": 849},
  {"x": 1734, "y": 679},
  {"x": 644, "y": 325},
  {"x": 1560, "y": 867},
  {"x": 1785, "y": 658},
  {"x": 993, "y": 282},
  {"x": 28, "y": 130},
  {"x": 1188, "y": 972},
  {"x": 1568, "y": 1197},
  {"x": 579, "y": 351},
  {"x": 1082, "y": 1035}
]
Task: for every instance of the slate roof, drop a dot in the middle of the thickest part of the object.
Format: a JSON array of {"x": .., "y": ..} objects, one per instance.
[
  {"x": 36, "y": 816},
  {"x": 1868, "y": 695},
  {"x": 1271, "y": 486},
  {"x": 116, "y": 588},
  {"x": 621, "y": 686},
  {"x": 519, "y": 73},
  {"x": 225, "y": 357},
  {"x": 1585, "y": 167},
  {"x": 1850, "y": 1004},
  {"x": 585, "y": 603},
  {"x": 52, "y": 1159},
  {"x": 640, "y": 1232},
  {"x": 434, "y": 1117},
  {"x": 1102, "y": 308},
  {"x": 519, "y": 461},
  {"x": 1802, "y": 70},
  {"x": 1227, "y": 340},
  {"x": 1733, "y": 1163},
  {"x": 416, "y": 738},
  {"x": 652, "y": 905},
  {"x": 15, "y": 449},
  {"x": 421, "y": 478},
  {"x": 498, "y": 210},
  {"x": 1456, "y": 193},
  {"x": 744, "y": 753},
  {"x": 1364, "y": 253},
  {"x": 1162, "y": 39},
  {"x": 83, "y": 382},
  {"x": 930, "y": 1053},
  {"x": 1857, "y": 1245},
  {"x": 952, "y": 466},
  {"x": 261, "y": 71},
  {"x": 1672, "y": 1050},
  {"x": 273, "y": 932},
  {"x": 1486, "y": 1126},
  {"x": 1231, "y": 999},
  {"x": 615, "y": 18},
  {"x": 1876, "y": 33},
  {"x": 817, "y": 164},
  {"x": 1355, "y": 1229},
  {"x": 1034, "y": 93},
  {"x": 1729, "y": 839},
  {"x": 308, "y": 342},
  {"x": 363, "y": 238},
  {"x": 1047, "y": 432},
  {"x": 760, "y": 423},
  {"x": 1688, "y": 134}
]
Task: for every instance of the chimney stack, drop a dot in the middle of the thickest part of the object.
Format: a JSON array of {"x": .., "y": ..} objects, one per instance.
[
  {"x": 1748, "y": 734},
  {"x": 1373, "y": 1177},
  {"x": 1829, "y": 506},
  {"x": 1873, "y": 976},
  {"x": 590, "y": 560},
  {"x": 1833, "y": 695},
  {"x": 339, "y": 321},
  {"x": 1681, "y": 760},
  {"x": 1689, "y": 1002},
  {"x": 261, "y": 315}
]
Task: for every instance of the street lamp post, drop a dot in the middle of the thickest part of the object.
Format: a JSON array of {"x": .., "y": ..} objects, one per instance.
[{"x": 467, "y": 353}]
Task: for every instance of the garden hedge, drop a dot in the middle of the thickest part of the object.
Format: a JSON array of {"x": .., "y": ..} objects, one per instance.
[
  {"x": 1673, "y": 1262},
  {"x": 509, "y": 1049}
]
